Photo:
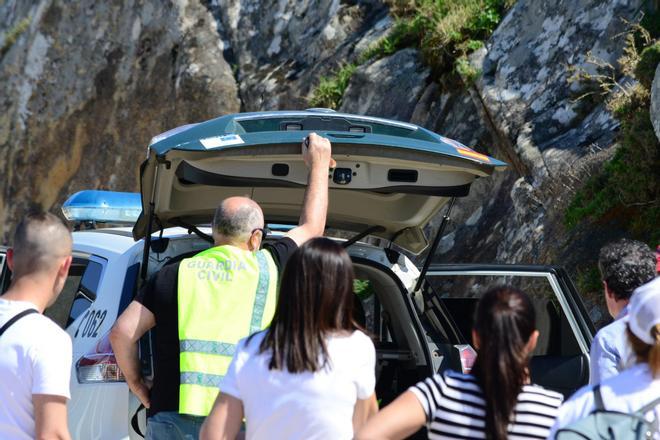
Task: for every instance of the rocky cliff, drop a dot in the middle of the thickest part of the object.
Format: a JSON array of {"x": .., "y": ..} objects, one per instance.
[{"x": 86, "y": 84}]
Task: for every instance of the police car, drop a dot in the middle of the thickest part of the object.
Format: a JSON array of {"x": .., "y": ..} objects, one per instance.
[{"x": 390, "y": 180}]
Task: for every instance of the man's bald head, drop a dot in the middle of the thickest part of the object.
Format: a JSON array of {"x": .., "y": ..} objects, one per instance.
[
  {"x": 40, "y": 242},
  {"x": 236, "y": 218}
]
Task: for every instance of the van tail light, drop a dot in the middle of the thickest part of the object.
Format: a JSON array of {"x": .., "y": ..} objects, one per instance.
[
  {"x": 467, "y": 356},
  {"x": 99, "y": 365}
]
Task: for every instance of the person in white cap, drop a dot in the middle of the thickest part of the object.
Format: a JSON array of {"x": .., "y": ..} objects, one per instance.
[{"x": 638, "y": 385}]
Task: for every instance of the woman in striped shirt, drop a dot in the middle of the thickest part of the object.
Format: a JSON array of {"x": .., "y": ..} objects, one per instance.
[{"x": 496, "y": 401}]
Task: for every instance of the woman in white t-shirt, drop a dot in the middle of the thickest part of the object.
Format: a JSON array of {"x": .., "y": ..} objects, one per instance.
[
  {"x": 637, "y": 386},
  {"x": 311, "y": 374}
]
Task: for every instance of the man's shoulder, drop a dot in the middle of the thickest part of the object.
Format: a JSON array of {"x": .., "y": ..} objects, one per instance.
[
  {"x": 613, "y": 329},
  {"x": 41, "y": 332},
  {"x": 161, "y": 287},
  {"x": 281, "y": 243},
  {"x": 50, "y": 328},
  {"x": 170, "y": 269},
  {"x": 280, "y": 250},
  {"x": 166, "y": 275}
]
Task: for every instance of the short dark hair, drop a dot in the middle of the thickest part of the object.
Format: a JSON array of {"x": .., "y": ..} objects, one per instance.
[
  {"x": 316, "y": 299},
  {"x": 40, "y": 238},
  {"x": 625, "y": 265}
]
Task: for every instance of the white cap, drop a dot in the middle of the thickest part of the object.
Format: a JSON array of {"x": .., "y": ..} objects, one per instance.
[{"x": 644, "y": 311}]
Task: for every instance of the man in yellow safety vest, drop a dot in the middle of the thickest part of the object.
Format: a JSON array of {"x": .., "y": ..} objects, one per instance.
[{"x": 201, "y": 306}]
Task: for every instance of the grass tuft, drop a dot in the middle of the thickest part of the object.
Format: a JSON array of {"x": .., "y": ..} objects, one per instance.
[
  {"x": 648, "y": 61},
  {"x": 12, "y": 35},
  {"x": 445, "y": 32},
  {"x": 330, "y": 90}
]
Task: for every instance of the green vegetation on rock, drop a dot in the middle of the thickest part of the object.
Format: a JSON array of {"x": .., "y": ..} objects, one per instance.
[
  {"x": 445, "y": 32},
  {"x": 588, "y": 282},
  {"x": 627, "y": 188},
  {"x": 12, "y": 35},
  {"x": 649, "y": 60},
  {"x": 331, "y": 89}
]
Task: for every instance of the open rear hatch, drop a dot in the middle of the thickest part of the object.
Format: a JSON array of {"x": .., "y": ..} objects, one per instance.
[{"x": 389, "y": 174}]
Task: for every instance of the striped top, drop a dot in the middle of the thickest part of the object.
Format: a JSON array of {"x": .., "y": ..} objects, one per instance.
[{"x": 455, "y": 408}]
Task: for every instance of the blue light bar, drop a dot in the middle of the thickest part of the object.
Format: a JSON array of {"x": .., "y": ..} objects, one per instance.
[{"x": 103, "y": 207}]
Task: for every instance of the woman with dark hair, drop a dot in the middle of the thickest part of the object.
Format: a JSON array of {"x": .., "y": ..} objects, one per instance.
[
  {"x": 311, "y": 374},
  {"x": 496, "y": 401}
]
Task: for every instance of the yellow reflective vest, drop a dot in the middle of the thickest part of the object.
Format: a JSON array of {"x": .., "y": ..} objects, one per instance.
[{"x": 224, "y": 294}]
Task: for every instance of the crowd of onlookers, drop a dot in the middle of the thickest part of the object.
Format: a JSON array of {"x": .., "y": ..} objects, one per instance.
[
  {"x": 497, "y": 400},
  {"x": 280, "y": 341}
]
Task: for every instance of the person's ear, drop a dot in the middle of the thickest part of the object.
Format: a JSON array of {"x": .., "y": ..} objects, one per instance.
[
  {"x": 10, "y": 259},
  {"x": 63, "y": 270},
  {"x": 608, "y": 292},
  {"x": 476, "y": 341},
  {"x": 531, "y": 342},
  {"x": 255, "y": 241}
]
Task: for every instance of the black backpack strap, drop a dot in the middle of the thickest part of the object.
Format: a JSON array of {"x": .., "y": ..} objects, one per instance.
[
  {"x": 598, "y": 398},
  {"x": 16, "y": 318}
]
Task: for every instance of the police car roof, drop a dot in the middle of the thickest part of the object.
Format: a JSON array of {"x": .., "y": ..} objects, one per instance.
[{"x": 119, "y": 240}]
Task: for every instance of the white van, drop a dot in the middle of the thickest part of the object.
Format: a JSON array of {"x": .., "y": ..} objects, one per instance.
[{"x": 391, "y": 178}]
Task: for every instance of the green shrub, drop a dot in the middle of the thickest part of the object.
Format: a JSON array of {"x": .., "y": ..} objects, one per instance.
[
  {"x": 331, "y": 89},
  {"x": 588, "y": 282},
  {"x": 466, "y": 71},
  {"x": 445, "y": 32},
  {"x": 448, "y": 30},
  {"x": 648, "y": 62},
  {"x": 626, "y": 191}
]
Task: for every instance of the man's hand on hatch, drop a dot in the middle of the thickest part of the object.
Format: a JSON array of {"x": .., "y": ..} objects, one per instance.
[{"x": 316, "y": 151}]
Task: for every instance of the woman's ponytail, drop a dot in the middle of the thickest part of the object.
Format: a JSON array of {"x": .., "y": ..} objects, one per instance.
[
  {"x": 654, "y": 352},
  {"x": 504, "y": 322},
  {"x": 647, "y": 353}
]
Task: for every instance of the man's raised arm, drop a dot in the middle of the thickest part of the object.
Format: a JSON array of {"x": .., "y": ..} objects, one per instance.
[{"x": 316, "y": 152}]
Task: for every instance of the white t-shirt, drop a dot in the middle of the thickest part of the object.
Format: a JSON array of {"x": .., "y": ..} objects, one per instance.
[
  {"x": 319, "y": 405},
  {"x": 626, "y": 392},
  {"x": 35, "y": 358}
]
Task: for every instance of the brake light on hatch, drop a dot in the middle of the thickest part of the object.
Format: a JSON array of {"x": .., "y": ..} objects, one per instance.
[
  {"x": 468, "y": 355},
  {"x": 100, "y": 365}
]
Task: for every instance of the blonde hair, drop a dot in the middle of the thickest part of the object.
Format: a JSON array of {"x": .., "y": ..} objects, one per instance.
[{"x": 646, "y": 353}]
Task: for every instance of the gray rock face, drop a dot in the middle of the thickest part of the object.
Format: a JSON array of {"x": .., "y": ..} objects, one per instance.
[
  {"x": 281, "y": 50},
  {"x": 655, "y": 102},
  {"x": 547, "y": 136},
  {"x": 389, "y": 87},
  {"x": 88, "y": 84},
  {"x": 524, "y": 85}
]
